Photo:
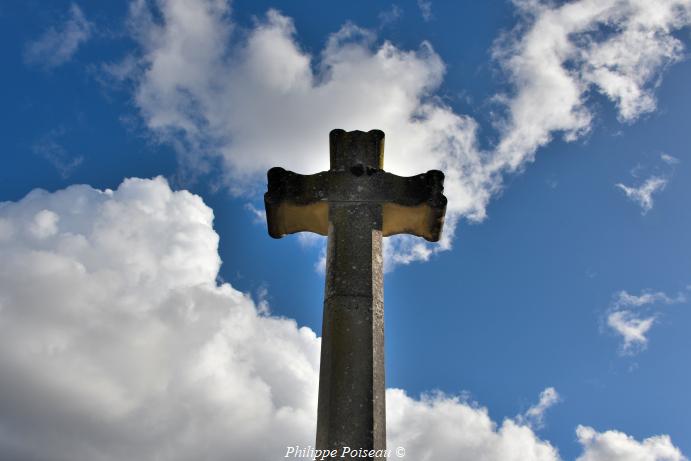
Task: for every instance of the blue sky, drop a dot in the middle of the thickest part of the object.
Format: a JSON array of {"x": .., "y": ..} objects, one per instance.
[{"x": 550, "y": 323}]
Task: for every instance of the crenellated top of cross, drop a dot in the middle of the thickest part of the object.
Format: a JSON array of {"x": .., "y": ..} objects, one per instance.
[
  {"x": 351, "y": 148},
  {"x": 411, "y": 205}
]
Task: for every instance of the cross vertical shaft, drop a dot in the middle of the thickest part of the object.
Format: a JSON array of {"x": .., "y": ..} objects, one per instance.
[{"x": 351, "y": 411}]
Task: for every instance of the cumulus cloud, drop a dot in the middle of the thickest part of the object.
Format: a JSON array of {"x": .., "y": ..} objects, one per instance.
[
  {"x": 632, "y": 316},
  {"x": 59, "y": 43},
  {"x": 255, "y": 99},
  {"x": 440, "y": 427},
  {"x": 617, "y": 446},
  {"x": 44, "y": 224},
  {"x": 117, "y": 342},
  {"x": 643, "y": 194}
]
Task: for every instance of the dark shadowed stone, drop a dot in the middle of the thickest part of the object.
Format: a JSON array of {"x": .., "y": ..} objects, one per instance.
[{"x": 411, "y": 205}]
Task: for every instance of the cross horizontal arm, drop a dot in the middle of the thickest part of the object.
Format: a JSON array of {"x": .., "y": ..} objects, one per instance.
[
  {"x": 412, "y": 205},
  {"x": 296, "y": 203}
]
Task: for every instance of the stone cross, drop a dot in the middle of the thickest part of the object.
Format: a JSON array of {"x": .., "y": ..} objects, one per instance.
[{"x": 355, "y": 203}]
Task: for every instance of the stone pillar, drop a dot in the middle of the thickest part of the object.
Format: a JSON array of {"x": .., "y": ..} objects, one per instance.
[
  {"x": 351, "y": 410},
  {"x": 351, "y": 383}
]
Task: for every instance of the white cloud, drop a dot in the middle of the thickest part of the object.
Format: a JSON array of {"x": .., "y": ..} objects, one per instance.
[
  {"x": 669, "y": 159},
  {"x": 440, "y": 427},
  {"x": 256, "y": 99},
  {"x": 116, "y": 342},
  {"x": 59, "y": 43},
  {"x": 425, "y": 9},
  {"x": 643, "y": 194},
  {"x": 258, "y": 216},
  {"x": 624, "y": 299},
  {"x": 44, "y": 224},
  {"x": 632, "y": 329},
  {"x": 535, "y": 415},
  {"x": 49, "y": 147},
  {"x": 617, "y": 446},
  {"x": 622, "y": 66},
  {"x": 632, "y": 317},
  {"x": 563, "y": 52},
  {"x": 390, "y": 16}
]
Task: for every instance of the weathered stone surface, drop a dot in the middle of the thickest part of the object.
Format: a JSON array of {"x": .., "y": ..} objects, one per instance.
[
  {"x": 355, "y": 203},
  {"x": 351, "y": 381},
  {"x": 412, "y": 205}
]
